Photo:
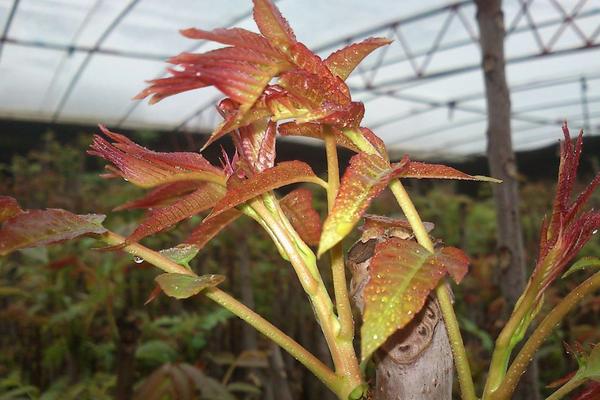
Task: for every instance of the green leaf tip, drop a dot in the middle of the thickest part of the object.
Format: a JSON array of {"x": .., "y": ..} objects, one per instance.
[{"x": 182, "y": 286}]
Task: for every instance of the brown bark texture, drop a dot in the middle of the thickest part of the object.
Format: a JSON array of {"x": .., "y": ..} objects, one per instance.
[
  {"x": 416, "y": 362},
  {"x": 502, "y": 163}
]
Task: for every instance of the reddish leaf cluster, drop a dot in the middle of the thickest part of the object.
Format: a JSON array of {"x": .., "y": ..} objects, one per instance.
[
  {"x": 270, "y": 76},
  {"x": 185, "y": 184},
  {"x": 568, "y": 228},
  {"x": 307, "y": 88}
]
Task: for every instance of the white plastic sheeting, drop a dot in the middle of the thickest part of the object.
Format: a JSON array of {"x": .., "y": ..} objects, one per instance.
[{"x": 81, "y": 61}]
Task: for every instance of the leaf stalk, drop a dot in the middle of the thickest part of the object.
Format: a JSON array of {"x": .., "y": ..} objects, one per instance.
[
  {"x": 461, "y": 361},
  {"x": 313, "y": 364}
]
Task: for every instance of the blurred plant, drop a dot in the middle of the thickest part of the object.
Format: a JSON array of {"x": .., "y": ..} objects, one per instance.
[{"x": 271, "y": 77}]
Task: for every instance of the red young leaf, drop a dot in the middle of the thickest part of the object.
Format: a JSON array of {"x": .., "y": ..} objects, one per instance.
[
  {"x": 402, "y": 274},
  {"x": 8, "y": 208},
  {"x": 365, "y": 140},
  {"x": 42, "y": 227},
  {"x": 366, "y": 176},
  {"x": 281, "y": 104},
  {"x": 348, "y": 116},
  {"x": 314, "y": 130},
  {"x": 161, "y": 195},
  {"x": 153, "y": 295},
  {"x": 568, "y": 229},
  {"x": 563, "y": 234},
  {"x": 307, "y": 90},
  {"x": 335, "y": 89},
  {"x": 375, "y": 141},
  {"x": 421, "y": 170},
  {"x": 297, "y": 206},
  {"x": 455, "y": 261},
  {"x": 282, "y": 174},
  {"x": 241, "y": 72},
  {"x": 180, "y": 81},
  {"x": 272, "y": 25},
  {"x": 147, "y": 168},
  {"x": 342, "y": 62},
  {"x": 315, "y": 91},
  {"x": 256, "y": 144},
  {"x": 210, "y": 227},
  {"x": 591, "y": 391},
  {"x": 161, "y": 218},
  {"x": 236, "y": 37}
]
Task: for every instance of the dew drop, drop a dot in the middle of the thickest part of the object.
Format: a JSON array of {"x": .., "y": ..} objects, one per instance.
[
  {"x": 138, "y": 259},
  {"x": 594, "y": 231}
]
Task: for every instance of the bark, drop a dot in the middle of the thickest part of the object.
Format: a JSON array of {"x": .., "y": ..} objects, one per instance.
[
  {"x": 416, "y": 362},
  {"x": 502, "y": 163}
]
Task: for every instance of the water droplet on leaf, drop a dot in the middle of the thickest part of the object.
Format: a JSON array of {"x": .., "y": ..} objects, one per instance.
[{"x": 138, "y": 259}]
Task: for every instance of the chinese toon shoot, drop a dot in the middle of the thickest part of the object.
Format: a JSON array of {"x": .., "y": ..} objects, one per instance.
[{"x": 274, "y": 85}]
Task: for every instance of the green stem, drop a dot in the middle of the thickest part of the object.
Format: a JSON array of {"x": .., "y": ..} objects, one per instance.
[
  {"x": 304, "y": 262},
  {"x": 338, "y": 269},
  {"x": 565, "y": 389},
  {"x": 328, "y": 377},
  {"x": 461, "y": 361},
  {"x": 314, "y": 365},
  {"x": 540, "y": 334},
  {"x": 504, "y": 344}
]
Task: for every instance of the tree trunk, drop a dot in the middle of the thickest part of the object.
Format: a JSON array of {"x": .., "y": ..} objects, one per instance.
[
  {"x": 415, "y": 363},
  {"x": 511, "y": 268}
]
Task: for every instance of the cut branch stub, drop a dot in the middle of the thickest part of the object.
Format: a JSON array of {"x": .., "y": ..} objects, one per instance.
[{"x": 415, "y": 361}]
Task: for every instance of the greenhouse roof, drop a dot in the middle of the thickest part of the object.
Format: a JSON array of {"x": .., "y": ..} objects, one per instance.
[{"x": 81, "y": 61}]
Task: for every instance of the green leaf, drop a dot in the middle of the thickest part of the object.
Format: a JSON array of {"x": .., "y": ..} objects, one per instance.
[
  {"x": 182, "y": 254},
  {"x": 402, "y": 274},
  {"x": 182, "y": 286},
  {"x": 359, "y": 392},
  {"x": 155, "y": 352},
  {"x": 582, "y": 263},
  {"x": 486, "y": 340},
  {"x": 589, "y": 367}
]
